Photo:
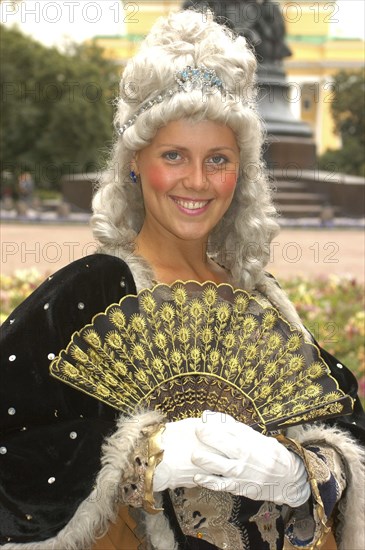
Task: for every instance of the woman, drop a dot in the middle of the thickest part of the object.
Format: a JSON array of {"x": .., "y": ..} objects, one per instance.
[{"x": 185, "y": 197}]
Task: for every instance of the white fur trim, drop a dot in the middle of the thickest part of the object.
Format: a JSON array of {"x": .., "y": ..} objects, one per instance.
[
  {"x": 92, "y": 517},
  {"x": 351, "y": 531},
  {"x": 142, "y": 273},
  {"x": 159, "y": 533}
]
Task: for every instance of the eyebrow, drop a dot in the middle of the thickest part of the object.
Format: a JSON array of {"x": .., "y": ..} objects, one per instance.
[{"x": 212, "y": 150}]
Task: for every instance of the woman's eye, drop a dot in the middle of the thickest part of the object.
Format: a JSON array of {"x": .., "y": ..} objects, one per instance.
[
  {"x": 172, "y": 155},
  {"x": 218, "y": 159}
]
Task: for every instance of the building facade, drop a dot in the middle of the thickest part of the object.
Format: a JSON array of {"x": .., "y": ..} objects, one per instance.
[{"x": 318, "y": 53}]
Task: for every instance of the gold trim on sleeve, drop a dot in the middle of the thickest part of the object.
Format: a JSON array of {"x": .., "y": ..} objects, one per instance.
[{"x": 155, "y": 455}]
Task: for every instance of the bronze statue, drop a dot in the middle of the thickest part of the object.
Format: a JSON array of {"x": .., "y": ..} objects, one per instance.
[{"x": 260, "y": 21}]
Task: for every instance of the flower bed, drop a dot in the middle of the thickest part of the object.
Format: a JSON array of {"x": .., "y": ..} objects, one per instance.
[
  {"x": 15, "y": 288},
  {"x": 331, "y": 308}
]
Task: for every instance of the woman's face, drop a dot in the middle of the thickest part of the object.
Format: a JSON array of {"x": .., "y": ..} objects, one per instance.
[{"x": 188, "y": 176}]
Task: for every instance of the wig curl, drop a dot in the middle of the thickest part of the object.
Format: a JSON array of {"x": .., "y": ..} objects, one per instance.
[{"x": 241, "y": 239}]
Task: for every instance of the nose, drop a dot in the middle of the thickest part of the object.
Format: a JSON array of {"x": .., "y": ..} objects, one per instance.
[{"x": 197, "y": 177}]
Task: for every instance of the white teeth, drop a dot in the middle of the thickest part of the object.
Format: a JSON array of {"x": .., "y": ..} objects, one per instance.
[{"x": 191, "y": 205}]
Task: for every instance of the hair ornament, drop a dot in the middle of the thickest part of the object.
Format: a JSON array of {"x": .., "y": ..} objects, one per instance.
[
  {"x": 188, "y": 79},
  {"x": 198, "y": 78}
]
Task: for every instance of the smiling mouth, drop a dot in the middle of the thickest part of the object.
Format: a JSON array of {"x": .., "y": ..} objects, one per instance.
[{"x": 190, "y": 204}]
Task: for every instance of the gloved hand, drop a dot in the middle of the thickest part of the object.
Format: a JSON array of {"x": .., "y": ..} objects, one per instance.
[
  {"x": 254, "y": 465},
  {"x": 178, "y": 441}
]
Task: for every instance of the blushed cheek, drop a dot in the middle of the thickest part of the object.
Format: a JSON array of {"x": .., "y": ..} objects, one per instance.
[
  {"x": 228, "y": 181},
  {"x": 231, "y": 181},
  {"x": 158, "y": 178}
]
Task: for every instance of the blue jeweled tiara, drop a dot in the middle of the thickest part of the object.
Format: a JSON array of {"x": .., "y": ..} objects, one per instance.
[
  {"x": 200, "y": 78},
  {"x": 188, "y": 79}
]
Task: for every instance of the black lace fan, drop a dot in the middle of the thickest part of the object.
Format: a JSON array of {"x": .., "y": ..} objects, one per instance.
[{"x": 191, "y": 347}]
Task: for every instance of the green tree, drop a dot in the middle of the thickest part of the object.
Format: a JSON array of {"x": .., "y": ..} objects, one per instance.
[
  {"x": 348, "y": 111},
  {"x": 56, "y": 107}
]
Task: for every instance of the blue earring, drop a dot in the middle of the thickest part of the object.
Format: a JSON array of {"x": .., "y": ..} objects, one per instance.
[{"x": 133, "y": 176}]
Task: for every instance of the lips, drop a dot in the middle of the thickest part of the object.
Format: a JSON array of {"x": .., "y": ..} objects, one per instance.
[{"x": 191, "y": 206}]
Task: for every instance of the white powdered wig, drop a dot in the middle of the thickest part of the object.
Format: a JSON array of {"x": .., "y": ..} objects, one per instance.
[{"x": 241, "y": 239}]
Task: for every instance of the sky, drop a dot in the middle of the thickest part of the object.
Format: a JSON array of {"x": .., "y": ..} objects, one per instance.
[{"x": 54, "y": 23}]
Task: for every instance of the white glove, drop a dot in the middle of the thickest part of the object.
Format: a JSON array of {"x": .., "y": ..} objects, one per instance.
[
  {"x": 178, "y": 441},
  {"x": 253, "y": 465}
]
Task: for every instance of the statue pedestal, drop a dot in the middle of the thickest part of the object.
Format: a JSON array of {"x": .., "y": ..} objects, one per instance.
[{"x": 289, "y": 141}]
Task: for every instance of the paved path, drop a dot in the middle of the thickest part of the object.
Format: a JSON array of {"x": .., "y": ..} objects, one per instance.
[{"x": 308, "y": 252}]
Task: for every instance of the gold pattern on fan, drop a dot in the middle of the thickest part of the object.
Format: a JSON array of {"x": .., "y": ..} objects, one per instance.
[{"x": 189, "y": 347}]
